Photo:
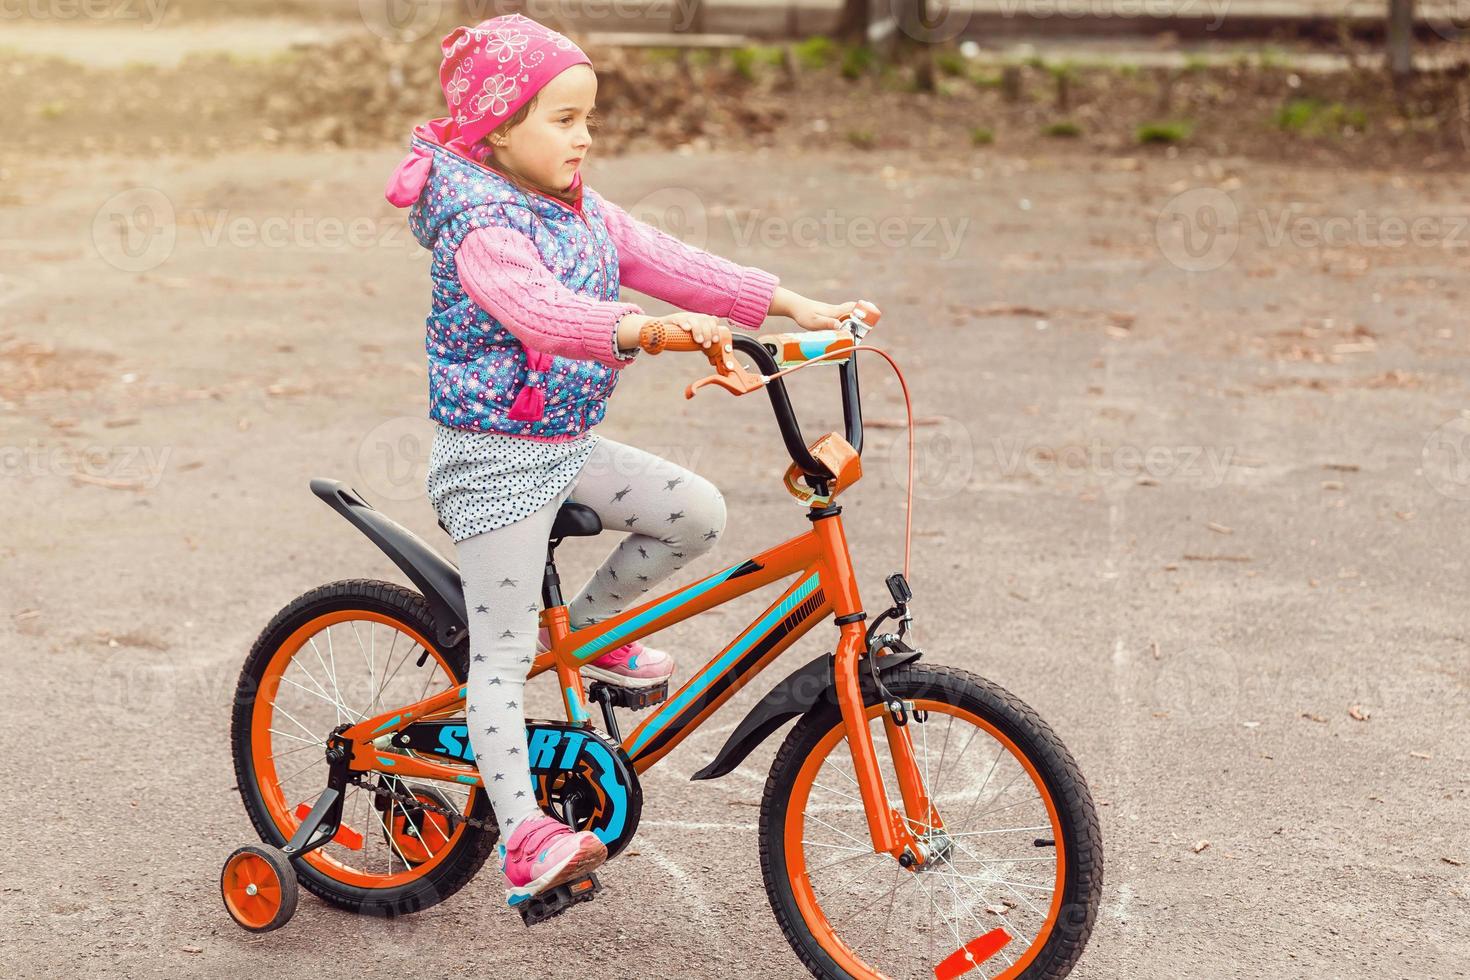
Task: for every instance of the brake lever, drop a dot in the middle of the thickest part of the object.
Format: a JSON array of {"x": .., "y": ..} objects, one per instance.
[
  {"x": 656, "y": 337},
  {"x": 729, "y": 374}
]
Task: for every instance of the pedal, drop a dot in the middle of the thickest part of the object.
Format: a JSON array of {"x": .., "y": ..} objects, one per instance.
[
  {"x": 632, "y": 698},
  {"x": 549, "y": 904}
]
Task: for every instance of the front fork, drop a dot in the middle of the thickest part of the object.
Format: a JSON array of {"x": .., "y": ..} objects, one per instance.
[{"x": 892, "y": 832}]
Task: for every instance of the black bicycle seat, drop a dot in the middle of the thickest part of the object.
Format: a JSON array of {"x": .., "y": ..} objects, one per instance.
[
  {"x": 575, "y": 521},
  {"x": 572, "y": 521}
]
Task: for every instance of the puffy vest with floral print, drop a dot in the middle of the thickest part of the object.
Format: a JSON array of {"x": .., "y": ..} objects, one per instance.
[{"x": 477, "y": 367}]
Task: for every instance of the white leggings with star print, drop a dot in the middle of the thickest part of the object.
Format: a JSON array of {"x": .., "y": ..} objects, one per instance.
[{"x": 667, "y": 516}]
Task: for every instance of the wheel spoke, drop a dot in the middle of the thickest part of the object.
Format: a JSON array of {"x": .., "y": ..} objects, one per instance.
[
  {"x": 987, "y": 869},
  {"x": 308, "y": 741},
  {"x": 306, "y": 701}
]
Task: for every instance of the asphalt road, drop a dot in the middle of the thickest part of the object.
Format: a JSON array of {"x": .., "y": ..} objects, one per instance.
[{"x": 1199, "y": 499}]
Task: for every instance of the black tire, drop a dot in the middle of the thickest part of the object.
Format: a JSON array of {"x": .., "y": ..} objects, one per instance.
[
  {"x": 468, "y": 852},
  {"x": 1082, "y": 888}
]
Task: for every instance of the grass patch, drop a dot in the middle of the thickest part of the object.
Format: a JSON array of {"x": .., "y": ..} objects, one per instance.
[
  {"x": 1273, "y": 57},
  {"x": 1165, "y": 132},
  {"x": 749, "y": 60},
  {"x": 863, "y": 139},
  {"x": 1061, "y": 70},
  {"x": 856, "y": 61},
  {"x": 952, "y": 63},
  {"x": 982, "y": 136},
  {"x": 1062, "y": 129},
  {"x": 1313, "y": 117},
  {"x": 815, "y": 52}
]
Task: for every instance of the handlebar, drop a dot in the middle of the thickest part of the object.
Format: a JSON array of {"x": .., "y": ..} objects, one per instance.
[{"x": 656, "y": 337}]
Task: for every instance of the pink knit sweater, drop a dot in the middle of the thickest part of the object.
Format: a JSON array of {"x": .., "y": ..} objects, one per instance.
[{"x": 502, "y": 272}]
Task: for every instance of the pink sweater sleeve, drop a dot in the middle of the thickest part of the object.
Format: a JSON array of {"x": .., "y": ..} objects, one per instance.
[
  {"x": 502, "y": 272},
  {"x": 662, "y": 266}
]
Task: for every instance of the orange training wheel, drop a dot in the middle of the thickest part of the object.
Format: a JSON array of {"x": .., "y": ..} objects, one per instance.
[{"x": 259, "y": 887}]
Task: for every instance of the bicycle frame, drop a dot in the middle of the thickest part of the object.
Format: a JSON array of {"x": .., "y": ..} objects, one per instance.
[{"x": 824, "y": 585}]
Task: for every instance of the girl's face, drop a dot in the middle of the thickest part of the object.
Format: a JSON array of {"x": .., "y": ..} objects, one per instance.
[{"x": 549, "y": 146}]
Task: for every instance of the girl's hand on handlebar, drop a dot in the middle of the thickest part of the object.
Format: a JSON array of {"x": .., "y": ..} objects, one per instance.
[
  {"x": 708, "y": 332},
  {"x": 812, "y": 315}
]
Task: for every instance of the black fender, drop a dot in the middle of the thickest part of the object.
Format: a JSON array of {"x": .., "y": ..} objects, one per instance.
[
  {"x": 802, "y": 689},
  {"x": 436, "y": 577}
]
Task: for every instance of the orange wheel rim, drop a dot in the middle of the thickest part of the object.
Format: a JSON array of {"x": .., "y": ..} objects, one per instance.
[
  {"x": 252, "y": 890},
  {"x": 268, "y": 780},
  {"x": 795, "y": 854},
  {"x": 411, "y": 838}
]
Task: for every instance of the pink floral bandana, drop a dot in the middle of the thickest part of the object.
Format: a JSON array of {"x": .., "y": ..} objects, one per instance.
[{"x": 489, "y": 71}]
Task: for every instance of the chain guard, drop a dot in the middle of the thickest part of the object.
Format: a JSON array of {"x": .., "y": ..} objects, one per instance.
[{"x": 573, "y": 769}]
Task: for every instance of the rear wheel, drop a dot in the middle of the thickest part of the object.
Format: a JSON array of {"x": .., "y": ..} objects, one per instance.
[
  {"x": 1016, "y": 878},
  {"x": 339, "y": 654}
]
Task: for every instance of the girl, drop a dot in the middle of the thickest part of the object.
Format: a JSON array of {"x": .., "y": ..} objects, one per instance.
[{"x": 525, "y": 341}]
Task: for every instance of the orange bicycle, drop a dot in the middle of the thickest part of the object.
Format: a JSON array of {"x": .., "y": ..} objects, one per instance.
[{"x": 918, "y": 820}]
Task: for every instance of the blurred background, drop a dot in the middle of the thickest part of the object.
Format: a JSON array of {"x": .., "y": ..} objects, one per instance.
[{"x": 1315, "y": 80}]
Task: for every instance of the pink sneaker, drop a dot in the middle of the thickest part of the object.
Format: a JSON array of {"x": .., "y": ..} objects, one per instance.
[
  {"x": 543, "y": 852},
  {"x": 630, "y": 665}
]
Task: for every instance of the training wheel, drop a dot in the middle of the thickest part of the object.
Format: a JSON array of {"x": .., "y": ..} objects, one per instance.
[{"x": 259, "y": 887}]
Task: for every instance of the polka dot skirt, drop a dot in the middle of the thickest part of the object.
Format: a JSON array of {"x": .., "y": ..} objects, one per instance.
[{"x": 480, "y": 481}]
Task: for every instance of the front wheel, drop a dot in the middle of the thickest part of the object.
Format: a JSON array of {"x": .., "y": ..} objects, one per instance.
[{"x": 1013, "y": 886}]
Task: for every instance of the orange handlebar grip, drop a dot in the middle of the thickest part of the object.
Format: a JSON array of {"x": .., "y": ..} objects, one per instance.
[
  {"x": 657, "y": 336},
  {"x": 870, "y": 314}
]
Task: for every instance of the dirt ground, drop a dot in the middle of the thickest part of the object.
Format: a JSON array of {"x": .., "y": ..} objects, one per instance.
[{"x": 1192, "y": 482}]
